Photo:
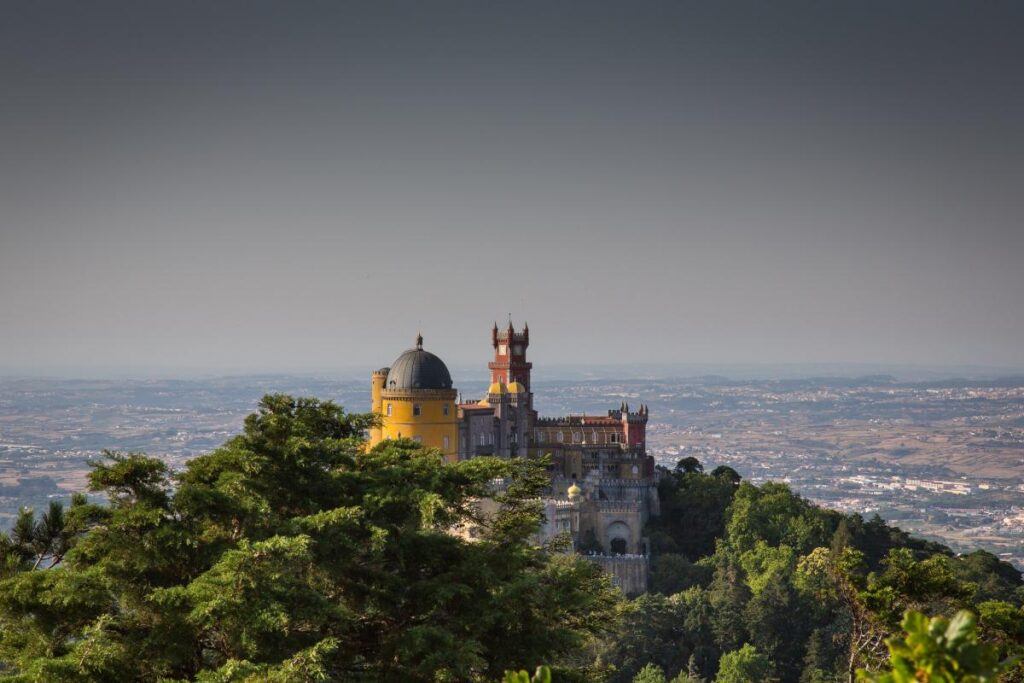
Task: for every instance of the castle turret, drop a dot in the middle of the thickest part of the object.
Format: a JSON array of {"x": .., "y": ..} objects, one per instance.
[
  {"x": 510, "y": 364},
  {"x": 377, "y": 380},
  {"x": 634, "y": 425},
  {"x": 416, "y": 401}
]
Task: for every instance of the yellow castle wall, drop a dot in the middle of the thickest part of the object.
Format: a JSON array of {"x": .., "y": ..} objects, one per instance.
[{"x": 430, "y": 427}]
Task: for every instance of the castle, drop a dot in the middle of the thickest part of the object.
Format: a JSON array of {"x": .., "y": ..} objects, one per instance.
[{"x": 602, "y": 479}]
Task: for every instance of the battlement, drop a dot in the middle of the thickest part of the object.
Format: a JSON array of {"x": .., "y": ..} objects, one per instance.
[
  {"x": 509, "y": 335},
  {"x": 624, "y": 414},
  {"x": 607, "y": 482},
  {"x": 619, "y": 506}
]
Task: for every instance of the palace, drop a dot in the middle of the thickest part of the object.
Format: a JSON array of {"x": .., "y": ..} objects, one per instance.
[{"x": 602, "y": 479}]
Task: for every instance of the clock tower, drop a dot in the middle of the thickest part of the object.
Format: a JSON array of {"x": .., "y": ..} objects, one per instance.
[{"x": 510, "y": 364}]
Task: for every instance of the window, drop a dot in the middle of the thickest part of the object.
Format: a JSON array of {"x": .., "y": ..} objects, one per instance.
[
  {"x": 418, "y": 439},
  {"x": 593, "y": 436},
  {"x": 561, "y": 437},
  {"x": 577, "y": 437},
  {"x": 614, "y": 437},
  {"x": 445, "y": 409},
  {"x": 389, "y": 410},
  {"x": 446, "y": 440},
  {"x": 416, "y": 409}
]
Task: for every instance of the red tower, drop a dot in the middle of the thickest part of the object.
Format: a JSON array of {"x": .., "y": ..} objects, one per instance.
[{"x": 509, "y": 364}]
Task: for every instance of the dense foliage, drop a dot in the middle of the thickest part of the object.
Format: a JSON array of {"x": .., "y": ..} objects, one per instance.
[
  {"x": 755, "y": 583},
  {"x": 290, "y": 555}
]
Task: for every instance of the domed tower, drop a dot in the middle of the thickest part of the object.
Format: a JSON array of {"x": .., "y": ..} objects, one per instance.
[{"x": 417, "y": 401}]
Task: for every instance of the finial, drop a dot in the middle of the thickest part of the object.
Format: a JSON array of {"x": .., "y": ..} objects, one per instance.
[{"x": 419, "y": 341}]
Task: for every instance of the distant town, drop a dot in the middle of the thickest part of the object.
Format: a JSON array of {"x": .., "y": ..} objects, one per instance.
[{"x": 941, "y": 459}]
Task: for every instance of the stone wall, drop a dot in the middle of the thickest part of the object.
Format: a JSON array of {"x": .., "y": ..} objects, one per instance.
[{"x": 629, "y": 572}]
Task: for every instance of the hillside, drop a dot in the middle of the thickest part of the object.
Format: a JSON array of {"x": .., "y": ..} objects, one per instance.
[{"x": 288, "y": 554}]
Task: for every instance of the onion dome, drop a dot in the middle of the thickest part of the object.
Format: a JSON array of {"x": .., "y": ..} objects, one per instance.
[
  {"x": 574, "y": 492},
  {"x": 516, "y": 388},
  {"x": 497, "y": 388},
  {"x": 418, "y": 369}
]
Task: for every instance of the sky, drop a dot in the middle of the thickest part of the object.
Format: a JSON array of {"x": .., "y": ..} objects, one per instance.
[{"x": 298, "y": 185}]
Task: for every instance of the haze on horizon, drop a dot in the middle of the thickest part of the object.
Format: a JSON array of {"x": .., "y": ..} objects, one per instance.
[{"x": 305, "y": 185}]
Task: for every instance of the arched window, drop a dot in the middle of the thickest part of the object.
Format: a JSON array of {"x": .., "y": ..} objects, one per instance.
[
  {"x": 389, "y": 410},
  {"x": 446, "y": 443},
  {"x": 416, "y": 410},
  {"x": 593, "y": 436},
  {"x": 445, "y": 409},
  {"x": 561, "y": 437}
]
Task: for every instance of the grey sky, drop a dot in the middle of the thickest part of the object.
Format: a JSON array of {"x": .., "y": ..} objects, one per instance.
[{"x": 302, "y": 185}]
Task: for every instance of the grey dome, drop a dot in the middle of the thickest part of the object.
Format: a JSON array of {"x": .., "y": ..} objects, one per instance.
[{"x": 418, "y": 369}]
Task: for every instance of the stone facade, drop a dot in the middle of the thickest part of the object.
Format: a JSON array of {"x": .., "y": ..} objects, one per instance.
[{"x": 603, "y": 487}]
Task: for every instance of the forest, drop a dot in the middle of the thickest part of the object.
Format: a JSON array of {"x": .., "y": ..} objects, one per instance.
[{"x": 293, "y": 553}]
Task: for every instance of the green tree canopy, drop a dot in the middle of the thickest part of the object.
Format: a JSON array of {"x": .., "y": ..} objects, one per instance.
[
  {"x": 745, "y": 665},
  {"x": 291, "y": 554}
]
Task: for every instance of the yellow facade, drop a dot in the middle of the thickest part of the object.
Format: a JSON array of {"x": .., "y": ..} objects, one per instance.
[
  {"x": 428, "y": 416},
  {"x": 376, "y": 390},
  {"x": 415, "y": 399}
]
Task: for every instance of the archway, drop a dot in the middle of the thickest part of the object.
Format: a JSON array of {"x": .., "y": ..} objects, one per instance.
[{"x": 618, "y": 538}]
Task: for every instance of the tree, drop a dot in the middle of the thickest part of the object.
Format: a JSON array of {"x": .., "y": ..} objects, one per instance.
[
  {"x": 728, "y": 595},
  {"x": 775, "y": 515},
  {"x": 652, "y": 673},
  {"x": 672, "y": 573},
  {"x": 291, "y": 553},
  {"x": 939, "y": 651},
  {"x": 745, "y": 665},
  {"x": 651, "y": 632},
  {"x": 693, "y": 513},
  {"x": 727, "y": 473},
  {"x": 689, "y": 465},
  {"x": 839, "y": 580},
  {"x": 779, "y": 625}
]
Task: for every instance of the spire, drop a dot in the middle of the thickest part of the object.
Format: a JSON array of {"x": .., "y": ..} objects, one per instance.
[{"x": 419, "y": 341}]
